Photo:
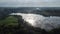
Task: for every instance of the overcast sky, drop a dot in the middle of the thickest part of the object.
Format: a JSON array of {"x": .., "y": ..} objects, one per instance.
[{"x": 29, "y": 3}]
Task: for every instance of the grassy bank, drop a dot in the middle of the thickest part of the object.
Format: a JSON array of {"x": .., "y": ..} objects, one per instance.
[{"x": 9, "y": 20}]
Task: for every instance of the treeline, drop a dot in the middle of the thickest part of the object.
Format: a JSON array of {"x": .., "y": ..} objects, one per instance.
[
  {"x": 51, "y": 12},
  {"x": 45, "y": 11}
]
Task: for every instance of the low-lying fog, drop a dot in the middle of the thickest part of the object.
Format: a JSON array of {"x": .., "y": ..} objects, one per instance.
[{"x": 40, "y": 21}]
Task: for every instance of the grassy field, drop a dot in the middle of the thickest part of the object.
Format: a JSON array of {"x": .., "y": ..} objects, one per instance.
[{"x": 9, "y": 20}]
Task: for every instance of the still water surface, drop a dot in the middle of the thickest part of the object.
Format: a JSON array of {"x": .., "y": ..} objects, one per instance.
[{"x": 40, "y": 21}]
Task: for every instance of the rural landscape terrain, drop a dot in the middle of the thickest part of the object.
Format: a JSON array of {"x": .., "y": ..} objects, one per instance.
[{"x": 11, "y": 24}]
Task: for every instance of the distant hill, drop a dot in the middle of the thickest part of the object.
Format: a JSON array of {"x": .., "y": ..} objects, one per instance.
[{"x": 45, "y": 11}]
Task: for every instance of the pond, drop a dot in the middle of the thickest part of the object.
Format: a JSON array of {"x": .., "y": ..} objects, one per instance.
[{"x": 36, "y": 20}]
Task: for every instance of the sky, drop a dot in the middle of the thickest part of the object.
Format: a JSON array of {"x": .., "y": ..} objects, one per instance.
[{"x": 29, "y": 3}]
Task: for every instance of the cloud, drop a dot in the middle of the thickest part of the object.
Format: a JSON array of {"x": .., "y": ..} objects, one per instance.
[{"x": 29, "y": 3}]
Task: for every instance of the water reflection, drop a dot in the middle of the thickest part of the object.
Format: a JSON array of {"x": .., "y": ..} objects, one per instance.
[{"x": 40, "y": 21}]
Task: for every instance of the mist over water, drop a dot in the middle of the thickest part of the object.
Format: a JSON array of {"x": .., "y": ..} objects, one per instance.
[{"x": 36, "y": 20}]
